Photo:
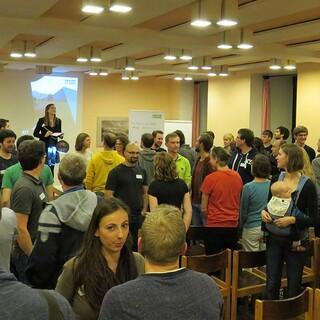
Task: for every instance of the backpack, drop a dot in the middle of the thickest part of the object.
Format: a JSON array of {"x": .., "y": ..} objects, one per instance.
[{"x": 292, "y": 211}]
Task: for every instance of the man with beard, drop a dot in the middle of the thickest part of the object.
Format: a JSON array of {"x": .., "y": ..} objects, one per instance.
[
  {"x": 7, "y": 159},
  {"x": 281, "y": 133},
  {"x": 157, "y": 141},
  {"x": 128, "y": 182},
  {"x": 201, "y": 170}
]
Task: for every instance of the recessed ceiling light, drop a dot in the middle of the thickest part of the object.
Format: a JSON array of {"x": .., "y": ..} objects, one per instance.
[
  {"x": 30, "y": 55},
  {"x": 275, "y": 64},
  {"x": 290, "y": 65},
  {"x": 275, "y": 67},
  {"x": 186, "y": 57},
  {"x": 120, "y": 8},
  {"x": 227, "y": 13},
  {"x": 103, "y": 73},
  {"x": 170, "y": 57},
  {"x": 80, "y": 59},
  {"x": 212, "y": 74},
  {"x": 16, "y": 55},
  {"x": 245, "y": 46},
  {"x": 227, "y": 23},
  {"x": 223, "y": 72},
  {"x": 224, "y": 46},
  {"x": 178, "y": 78},
  {"x": 201, "y": 23},
  {"x": 188, "y": 78},
  {"x": 94, "y": 9},
  {"x": 93, "y": 73},
  {"x": 95, "y": 59}
]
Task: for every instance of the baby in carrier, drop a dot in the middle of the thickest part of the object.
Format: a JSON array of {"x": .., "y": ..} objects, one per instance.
[{"x": 279, "y": 205}]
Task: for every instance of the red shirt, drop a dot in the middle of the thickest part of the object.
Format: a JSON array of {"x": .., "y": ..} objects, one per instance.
[{"x": 224, "y": 191}]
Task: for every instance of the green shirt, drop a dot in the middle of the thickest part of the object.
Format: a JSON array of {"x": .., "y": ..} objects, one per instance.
[
  {"x": 13, "y": 173},
  {"x": 183, "y": 169}
]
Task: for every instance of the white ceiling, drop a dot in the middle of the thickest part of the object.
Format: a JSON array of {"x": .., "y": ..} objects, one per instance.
[{"x": 60, "y": 28}]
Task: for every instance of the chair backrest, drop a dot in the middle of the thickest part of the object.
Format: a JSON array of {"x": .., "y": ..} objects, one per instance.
[
  {"x": 208, "y": 264},
  {"x": 250, "y": 259},
  {"x": 287, "y": 308},
  {"x": 316, "y": 303}
]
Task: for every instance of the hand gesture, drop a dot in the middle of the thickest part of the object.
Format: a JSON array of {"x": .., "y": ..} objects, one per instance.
[
  {"x": 284, "y": 221},
  {"x": 48, "y": 134},
  {"x": 265, "y": 216}
]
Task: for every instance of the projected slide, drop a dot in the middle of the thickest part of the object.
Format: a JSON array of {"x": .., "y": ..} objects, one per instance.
[{"x": 62, "y": 91}]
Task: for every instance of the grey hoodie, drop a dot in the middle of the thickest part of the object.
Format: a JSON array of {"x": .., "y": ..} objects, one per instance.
[
  {"x": 145, "y": 161},
  {"x": 74, "y": 209}
]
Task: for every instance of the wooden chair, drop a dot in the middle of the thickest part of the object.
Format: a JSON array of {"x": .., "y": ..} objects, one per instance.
[
  {"x": 246, "y": 280},
  {"x": 287, "y": 308},
  {"x": 311, "y": 273},
  {"x": 316, "y": 304},
  {"x": 211, "y": 265}
]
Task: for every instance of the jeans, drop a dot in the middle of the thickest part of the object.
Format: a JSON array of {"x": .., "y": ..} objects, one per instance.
[
  {"x": 197, "y": 216},
  {"x": 19, "y": 265},
  {"x": 280, "y": 251},
  {"x": 135, "y": 222}
]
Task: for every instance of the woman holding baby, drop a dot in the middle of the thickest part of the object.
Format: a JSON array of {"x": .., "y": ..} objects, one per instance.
[{"x": 287, "y": 233}]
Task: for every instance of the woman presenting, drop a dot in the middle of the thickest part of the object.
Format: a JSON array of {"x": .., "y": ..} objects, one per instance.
[{"x": 47, "y": 130}]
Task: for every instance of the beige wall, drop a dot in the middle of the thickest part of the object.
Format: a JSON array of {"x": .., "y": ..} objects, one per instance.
[
  {"x": 256, "y": 103},
  {"x": 113, "y": 97},
  {"x": 228, "y": 105},
  {"x": 308, "y": 100}
]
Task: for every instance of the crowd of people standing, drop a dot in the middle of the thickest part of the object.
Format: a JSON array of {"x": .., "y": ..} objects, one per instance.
[{"x": 86, "y": 244}]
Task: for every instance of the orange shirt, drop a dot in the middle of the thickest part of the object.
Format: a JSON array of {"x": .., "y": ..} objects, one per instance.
[{"x": 224, "y": 191}]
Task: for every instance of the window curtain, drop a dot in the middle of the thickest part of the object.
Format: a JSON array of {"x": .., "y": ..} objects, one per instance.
[
  {"x": 266, "y": 110},
  {"x": 196, "y": 113}
]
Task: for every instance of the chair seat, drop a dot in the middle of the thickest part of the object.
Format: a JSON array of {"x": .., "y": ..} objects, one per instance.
[{"x": 247, "y": 278}]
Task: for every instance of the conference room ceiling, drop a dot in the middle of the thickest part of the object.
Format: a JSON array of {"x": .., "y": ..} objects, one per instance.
[{"x": 283, "y": 29}]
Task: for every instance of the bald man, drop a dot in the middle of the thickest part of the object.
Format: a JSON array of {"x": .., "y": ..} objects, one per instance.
[{"x": 128, "y": 182}]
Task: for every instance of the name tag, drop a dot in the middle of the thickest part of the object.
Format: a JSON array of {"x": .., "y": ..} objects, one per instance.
[
  {"x": 42, "y": 196},
  {"x": 243, "y": 165},
  {"x": 139, "y": 176}
]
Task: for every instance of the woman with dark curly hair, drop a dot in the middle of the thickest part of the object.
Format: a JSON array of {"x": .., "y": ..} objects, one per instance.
[
  {"x": 104, "y": 261},
  {"x": 167, "y": 188}
]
